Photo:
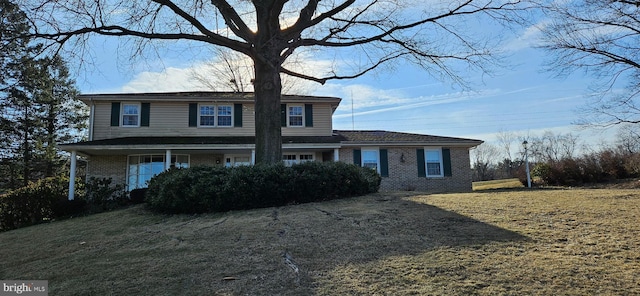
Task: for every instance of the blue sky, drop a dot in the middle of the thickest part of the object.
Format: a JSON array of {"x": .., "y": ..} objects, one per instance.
[{"x": 519, "y": 98}]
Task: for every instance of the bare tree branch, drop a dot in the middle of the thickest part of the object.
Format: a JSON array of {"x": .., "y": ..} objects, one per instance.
[
  {"x": 603, "y": 39},
  {"x": 430, "y": 34}
]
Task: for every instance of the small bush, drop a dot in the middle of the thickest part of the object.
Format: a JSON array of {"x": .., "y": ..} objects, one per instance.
[
  {"x": 101, "y": 195},
  {"x": 216, "y": 189}
]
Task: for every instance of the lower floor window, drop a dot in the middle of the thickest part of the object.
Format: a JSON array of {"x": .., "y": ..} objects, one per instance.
[
  {"x": 142, "y": 168},
  {"x": 433, "y": 159},
  {"x": 370, "y": 159},
  {"x": 290, "y": 159},
  {"x": 237, "y": 160}
]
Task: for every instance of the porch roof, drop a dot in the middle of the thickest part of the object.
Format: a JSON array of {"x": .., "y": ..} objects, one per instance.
[{"x": 337, "y": 140}]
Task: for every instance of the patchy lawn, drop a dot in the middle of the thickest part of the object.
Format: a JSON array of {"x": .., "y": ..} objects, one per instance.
[{"x": 538, "y": 242}]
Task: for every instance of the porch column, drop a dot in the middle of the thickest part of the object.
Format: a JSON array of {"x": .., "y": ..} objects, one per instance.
[
  {"x": 336, "y": 154},
  {"x": 72, "y": 175},
  {"x": 253, "y": 156},
  {"x": 167, "y": 160}
]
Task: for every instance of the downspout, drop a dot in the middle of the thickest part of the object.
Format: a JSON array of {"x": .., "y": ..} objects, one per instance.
[{"x": 92, "y": 109}]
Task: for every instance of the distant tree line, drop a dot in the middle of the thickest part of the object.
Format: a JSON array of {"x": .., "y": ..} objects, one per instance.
[
  {"x": 559, "y": 159},
  {"x": 38, "y": 109}
]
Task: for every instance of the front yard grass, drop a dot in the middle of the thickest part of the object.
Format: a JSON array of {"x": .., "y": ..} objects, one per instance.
[{"x": 521, "y": 242}]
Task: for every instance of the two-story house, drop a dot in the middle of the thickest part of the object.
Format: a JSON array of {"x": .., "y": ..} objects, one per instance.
[{"x": 133, "y": 137}]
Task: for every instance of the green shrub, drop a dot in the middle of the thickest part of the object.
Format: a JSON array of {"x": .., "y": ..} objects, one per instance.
[
  {"x": 34, "y": 203},
  {"x": 47, "y": 199},
  {"x": 137, "y": 195},
  {"x": 101, "y": 195},
  {"x": 217, "y": 189}
]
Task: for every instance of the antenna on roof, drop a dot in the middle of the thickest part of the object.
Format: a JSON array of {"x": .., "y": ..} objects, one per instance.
[{"x": 353, "y": 125}]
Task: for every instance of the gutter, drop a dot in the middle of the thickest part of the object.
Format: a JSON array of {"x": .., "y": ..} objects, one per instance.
[{"x": 411, "y": 144}]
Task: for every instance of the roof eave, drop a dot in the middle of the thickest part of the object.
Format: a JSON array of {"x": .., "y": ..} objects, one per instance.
[{"x": 411, "y": 144}]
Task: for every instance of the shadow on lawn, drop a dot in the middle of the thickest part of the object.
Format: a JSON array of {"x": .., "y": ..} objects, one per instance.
[
  {"x": 291, "y": 250},
  {"x": 380, "y": 226}
]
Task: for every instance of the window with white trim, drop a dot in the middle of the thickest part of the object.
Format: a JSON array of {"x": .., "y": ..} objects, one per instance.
[
  {"x": 130, "y": 115},
  {"x": 370, "y": 159},
  {"x": 237, "y": 160},
  {"x": 141, "y": 168},
  {"x": 207, "y": 115},
  {"x": 290, "y": 159},
  {"x": 225, "y": 114},
  {"x": 296, "y": 115},
  {"x": 306, "y": 157},
  {"x": 434, "y": 163},
  {"x": 215, "y": 115}
]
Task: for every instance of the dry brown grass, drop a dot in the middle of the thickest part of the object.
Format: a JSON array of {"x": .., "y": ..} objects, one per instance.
[
  {"x": 497, "y": 184},
  {"x": 541, "y": 242}
]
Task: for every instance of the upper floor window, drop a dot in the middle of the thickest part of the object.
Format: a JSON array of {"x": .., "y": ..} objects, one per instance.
[
  {"x": 296, "y": 116},
  {"x": 224, "y": 115},
  {"x": 130, "y": 114},
  {"x": 207, "y": 115},
  {"x": 212, "y": 115}
]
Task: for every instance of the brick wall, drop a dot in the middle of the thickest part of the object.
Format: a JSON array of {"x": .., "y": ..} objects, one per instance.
[
  {"x": 404, "y": 175},
  {"x": 115, "y": 166},
  {"x": 108, "y": 166},
  {"x": 205, "y": 159}
]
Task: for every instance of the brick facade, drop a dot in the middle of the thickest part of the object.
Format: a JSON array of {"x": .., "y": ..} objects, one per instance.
[
  {"x": 403, "y": 171},
  {"x": 402, "y": 161},
  {"x": 108, "y": 166}
]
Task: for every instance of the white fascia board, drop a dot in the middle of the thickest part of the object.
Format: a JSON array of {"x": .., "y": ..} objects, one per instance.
[
  {"x": 311, "y": 146},
  {"x": 410, "y": 144},
  {"x": 155, "y": 147}
]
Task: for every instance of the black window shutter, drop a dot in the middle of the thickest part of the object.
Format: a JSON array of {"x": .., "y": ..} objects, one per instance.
[
  {"x": 115, "y": 114},
  {"x": 308, "y": 115},
  {"x": 283, "y": 114},
  {"x": 193, "y": 114},
  {"x": 357, "y": 157},
  {"x": 144, "y": 114},
  {"x": 384, "y": 163},
  {"x": 446, "y": 161},
  {"x": 237, "y": 115},
  {"x": 422, "y": 172}
]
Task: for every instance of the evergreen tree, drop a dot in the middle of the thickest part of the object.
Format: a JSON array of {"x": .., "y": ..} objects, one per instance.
[{"x": 37, "y": 104}]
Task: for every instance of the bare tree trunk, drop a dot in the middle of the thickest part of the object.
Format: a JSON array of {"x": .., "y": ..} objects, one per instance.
[{"x": 268, "y": 89}]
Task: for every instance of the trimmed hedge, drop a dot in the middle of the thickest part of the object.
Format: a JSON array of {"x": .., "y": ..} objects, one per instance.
[{"x": 218, "y": 189}]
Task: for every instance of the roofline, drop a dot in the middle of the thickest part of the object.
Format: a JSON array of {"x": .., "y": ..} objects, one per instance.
[
  {"x": 413, "y": 144},
  {"x": 197, "y": 96},
  {"x": 72, "y": 147}
]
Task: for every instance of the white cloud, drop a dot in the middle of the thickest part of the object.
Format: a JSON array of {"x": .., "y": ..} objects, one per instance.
[
  {"x": 169, "y": 80},
  {"x": 529, "y": 38},
  {"x": 175, "y": 79}
]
